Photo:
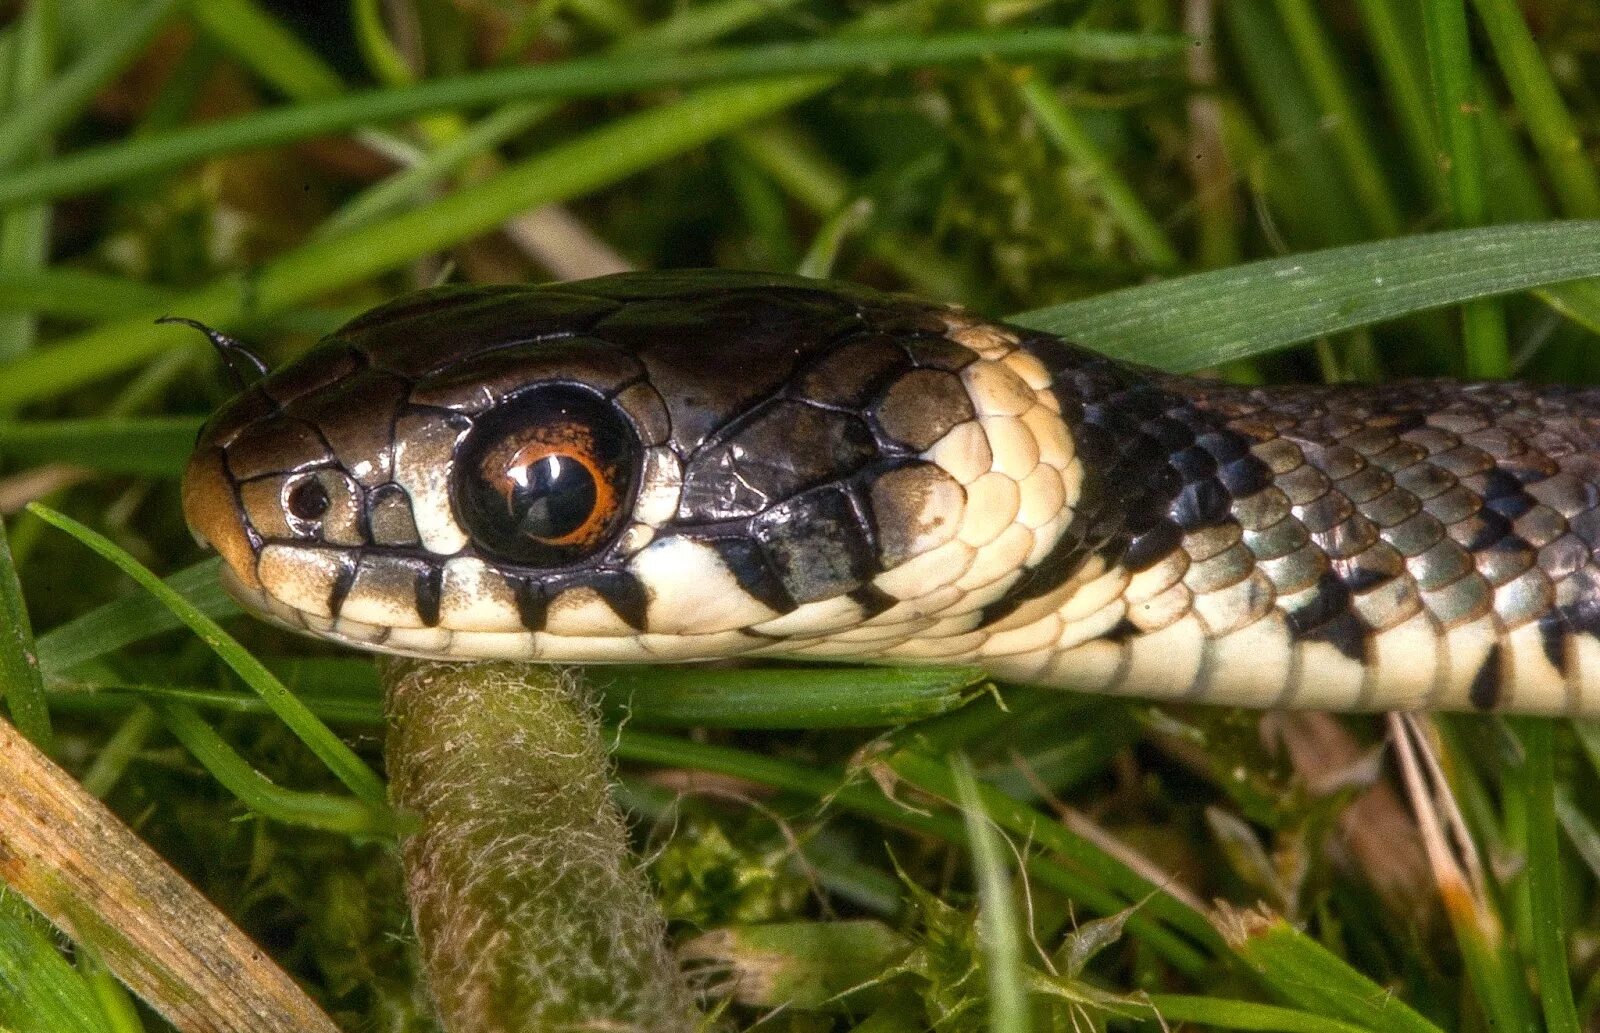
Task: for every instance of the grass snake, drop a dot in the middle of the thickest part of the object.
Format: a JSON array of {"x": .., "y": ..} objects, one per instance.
[{"x": 668, "y": 467}]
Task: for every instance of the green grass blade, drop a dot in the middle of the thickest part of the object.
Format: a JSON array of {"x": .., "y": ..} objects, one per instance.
[
  {"x": 1221, "y": 1013},
  {"x": 95, "y": 697},
  {"x": 1580, "y": 830},
  {"x": 1391, "y": 29},
  {"x": 844, "y": 223},
  {"x": 999, "y": 929},
  {"x": 1306, "y": 973},
  {"x": 1538, "y": 100},
  {"x": 346, "y": 816},
  {"x": 257, "y": 41},
  {"x": 75, "y": 294},
  {"x": 1313, "y": 202},
  {"x": 150, "y": 446},
  {"x": 1546, "y": 899},
  {"x": 1197, "y": 321},
  {"x": 700, "y": 24},
  {"x": 750, "y": 698},
  {"x": 339, "y": 758},
  {"x": 684, "y": 28},
  {"x": 580, "y": 77},
  {"x": 40, "y": 992},
  {"x": 1064, "y": 129},
  {"x": 1030, "y": 825},
  {"x": 784, "y": 697},
  {"x": 409, "y": 185},
  {"x": 1495, "y": 976},
  {"x": 838, "y": 790},
  {"x": 21, "y": 685},
  {"x": 807, "y": 176},
  {"x": 61, "y": 101},
  {"x": 585, "y": 163},
  {"x": 1461, "y": 164},
  {"x": 25, "y": 231},
  {"x": 118, "y": 753},
  {"x": 1347, "y": 125},
  {"x": 133, "y": 618},
  {"x": 1494, "y": 972},
  {"x": 385, "y": 63},
  {"x": 114, "y": 999}
]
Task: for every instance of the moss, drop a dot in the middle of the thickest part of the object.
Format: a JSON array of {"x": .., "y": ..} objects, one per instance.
[{"x": 531, "y": 913}]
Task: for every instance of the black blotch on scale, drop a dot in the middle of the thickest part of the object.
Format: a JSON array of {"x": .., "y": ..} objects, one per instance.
[
  {"x": 1504, "y": 490},
  {"x": 1484, "y": 693},
  {"x": 748, "y": 564},
  {"x": 872, "y": 600},
  {"x": 1201, "y": 504},
  {"x": 626, "y": 596},
  {"x": 1122, "y": 631},
  {"x": 816, "y": 545},
  {"x": 533, "y": 605},
  {"x": 1553, "y": 631},
  {"x": 342, "y": 581},
  {"x": 1149, "y": 547},
  {"x": 1327, "y": 617},
  {"x": 429, "y": 591}
]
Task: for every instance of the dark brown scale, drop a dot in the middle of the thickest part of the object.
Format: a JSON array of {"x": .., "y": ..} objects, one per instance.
[
  {"x": 319, "y": 368},
  {"x": 262, "y": 447},
  {"x": 816, "y": 545},
  {"x": 451, "y": 325},
  {"x": 771, "y": 469},
  {"x": 486, "y": 380},
  {"x": 379, "y": 397},
  {"x": 852, "y": 374},
  {"x": 921, "y": 407}
]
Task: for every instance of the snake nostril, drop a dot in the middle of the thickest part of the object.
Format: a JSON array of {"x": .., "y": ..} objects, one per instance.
[{"x": 309, "y": 500}]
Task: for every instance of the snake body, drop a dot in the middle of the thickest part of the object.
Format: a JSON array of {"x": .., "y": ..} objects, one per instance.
[{"x": 687, "y": 466}]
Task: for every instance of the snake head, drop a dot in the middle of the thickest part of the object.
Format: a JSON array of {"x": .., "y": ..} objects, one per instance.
[{"x": 662, "y": 466}]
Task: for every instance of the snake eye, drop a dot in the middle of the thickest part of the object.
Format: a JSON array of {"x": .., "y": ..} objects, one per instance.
[{"x": 542, "y": 480}]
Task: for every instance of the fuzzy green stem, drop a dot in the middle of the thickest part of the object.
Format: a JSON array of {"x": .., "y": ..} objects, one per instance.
[{"x": 531, "y": 913}]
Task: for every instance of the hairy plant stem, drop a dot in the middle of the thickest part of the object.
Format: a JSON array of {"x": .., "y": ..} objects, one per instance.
[{"x": 531, "y": 913}]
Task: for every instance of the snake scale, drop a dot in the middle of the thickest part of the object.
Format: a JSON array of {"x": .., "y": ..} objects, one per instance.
[{"x": 684, "y": 466}]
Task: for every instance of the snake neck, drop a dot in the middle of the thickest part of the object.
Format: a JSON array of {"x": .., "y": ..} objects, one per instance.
[{"x": 1416, "y": 545}]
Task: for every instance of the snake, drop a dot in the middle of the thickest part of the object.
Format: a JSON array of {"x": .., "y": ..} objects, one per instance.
[{"x": 702, "y": 465}]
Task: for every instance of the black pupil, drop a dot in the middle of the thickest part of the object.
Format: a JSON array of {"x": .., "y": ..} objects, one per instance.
[
  {"x": 544, "y": 479},
  {"x": 309, "y": 500},
  {"x": 554, "y": 496}
]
